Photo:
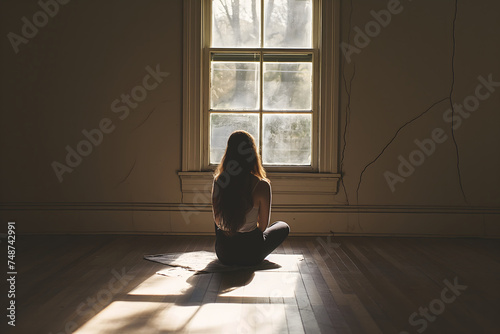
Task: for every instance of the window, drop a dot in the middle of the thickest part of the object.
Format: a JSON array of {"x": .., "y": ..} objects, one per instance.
[
  {"x": 261, "y": 58},
  {"x": 250, "y": 69}
]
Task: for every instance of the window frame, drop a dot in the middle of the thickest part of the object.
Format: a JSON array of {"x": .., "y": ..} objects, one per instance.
[
  {"x": 207, "y": 50},
  {"x": 310, "y": 185}
]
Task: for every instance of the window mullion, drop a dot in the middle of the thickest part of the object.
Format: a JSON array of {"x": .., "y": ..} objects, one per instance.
[
  {"x": 262, "y": 24},
  {"x": 261, "y": 97},
  {"x": 261, "y": 81}
]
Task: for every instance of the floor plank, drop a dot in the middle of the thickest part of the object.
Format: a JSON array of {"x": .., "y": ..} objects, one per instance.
[{"x": 342, "y": 285}]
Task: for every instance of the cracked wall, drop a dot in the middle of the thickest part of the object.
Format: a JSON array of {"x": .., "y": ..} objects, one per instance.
[{"x": 396, "y": 90}]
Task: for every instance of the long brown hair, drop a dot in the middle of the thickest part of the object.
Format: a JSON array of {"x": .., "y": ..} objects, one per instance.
[{"x": 232, "y": 196}]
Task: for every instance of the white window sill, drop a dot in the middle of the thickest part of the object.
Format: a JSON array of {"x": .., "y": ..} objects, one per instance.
[{"x": 288, "y": 188}]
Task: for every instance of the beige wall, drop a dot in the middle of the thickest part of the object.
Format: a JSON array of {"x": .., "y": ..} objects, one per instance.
[
  {"x": 402, "y": 72},
  {"x": 66, "y": 77}
]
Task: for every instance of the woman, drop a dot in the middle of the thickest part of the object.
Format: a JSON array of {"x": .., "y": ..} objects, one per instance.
[{"x": 241, "y": 203}]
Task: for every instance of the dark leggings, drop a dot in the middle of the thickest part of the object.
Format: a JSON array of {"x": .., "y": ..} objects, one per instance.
[{"x": 249, "y": 248}]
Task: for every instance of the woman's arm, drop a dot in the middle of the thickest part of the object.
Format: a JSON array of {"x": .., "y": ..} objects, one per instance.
[
  {"x": 215, "y": 190},
  {"x": 265, "y": 199}
]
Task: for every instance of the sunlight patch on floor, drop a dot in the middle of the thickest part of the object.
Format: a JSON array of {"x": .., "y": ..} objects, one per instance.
[
  {"x": 238, "y": 318},
  {"x": 267, "y": 285},
  {"x": 160, "y": 285},
  {"x": 121, "y": 317},
  {"x": 246, "y": 302}
]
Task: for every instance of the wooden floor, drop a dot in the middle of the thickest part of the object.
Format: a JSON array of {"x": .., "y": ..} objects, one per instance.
[{"x": 101, "y": 284}]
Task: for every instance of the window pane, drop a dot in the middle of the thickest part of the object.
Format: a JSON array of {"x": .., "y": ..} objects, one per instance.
[
  {"x": 234, "y": 86},
  {"x": 288, "y": 24},
  {"x": 235, "y": 23},
  {"x": 287, "y": 139},
  {"x": 223, "y": 124},
  {"x": 287, "y": 86}
]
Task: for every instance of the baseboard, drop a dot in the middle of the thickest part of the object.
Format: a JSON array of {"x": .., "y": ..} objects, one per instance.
[{"x": 312, "y": 220}]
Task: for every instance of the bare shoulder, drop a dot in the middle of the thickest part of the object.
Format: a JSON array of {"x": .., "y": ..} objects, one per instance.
[
  {"x": 263, "y": 186},
  {"x": 266, "y": 182}
]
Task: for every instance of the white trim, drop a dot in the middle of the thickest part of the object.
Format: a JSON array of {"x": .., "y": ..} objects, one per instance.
[
  {"x": 329, "y": 87},
  {"x": 192, "y": 133},
  {"x": 325, "y": 138},
  {"x": 288, "y": 188},
  {"x": 173, "y": 218},
  {"x": 158, "y": 206}
]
